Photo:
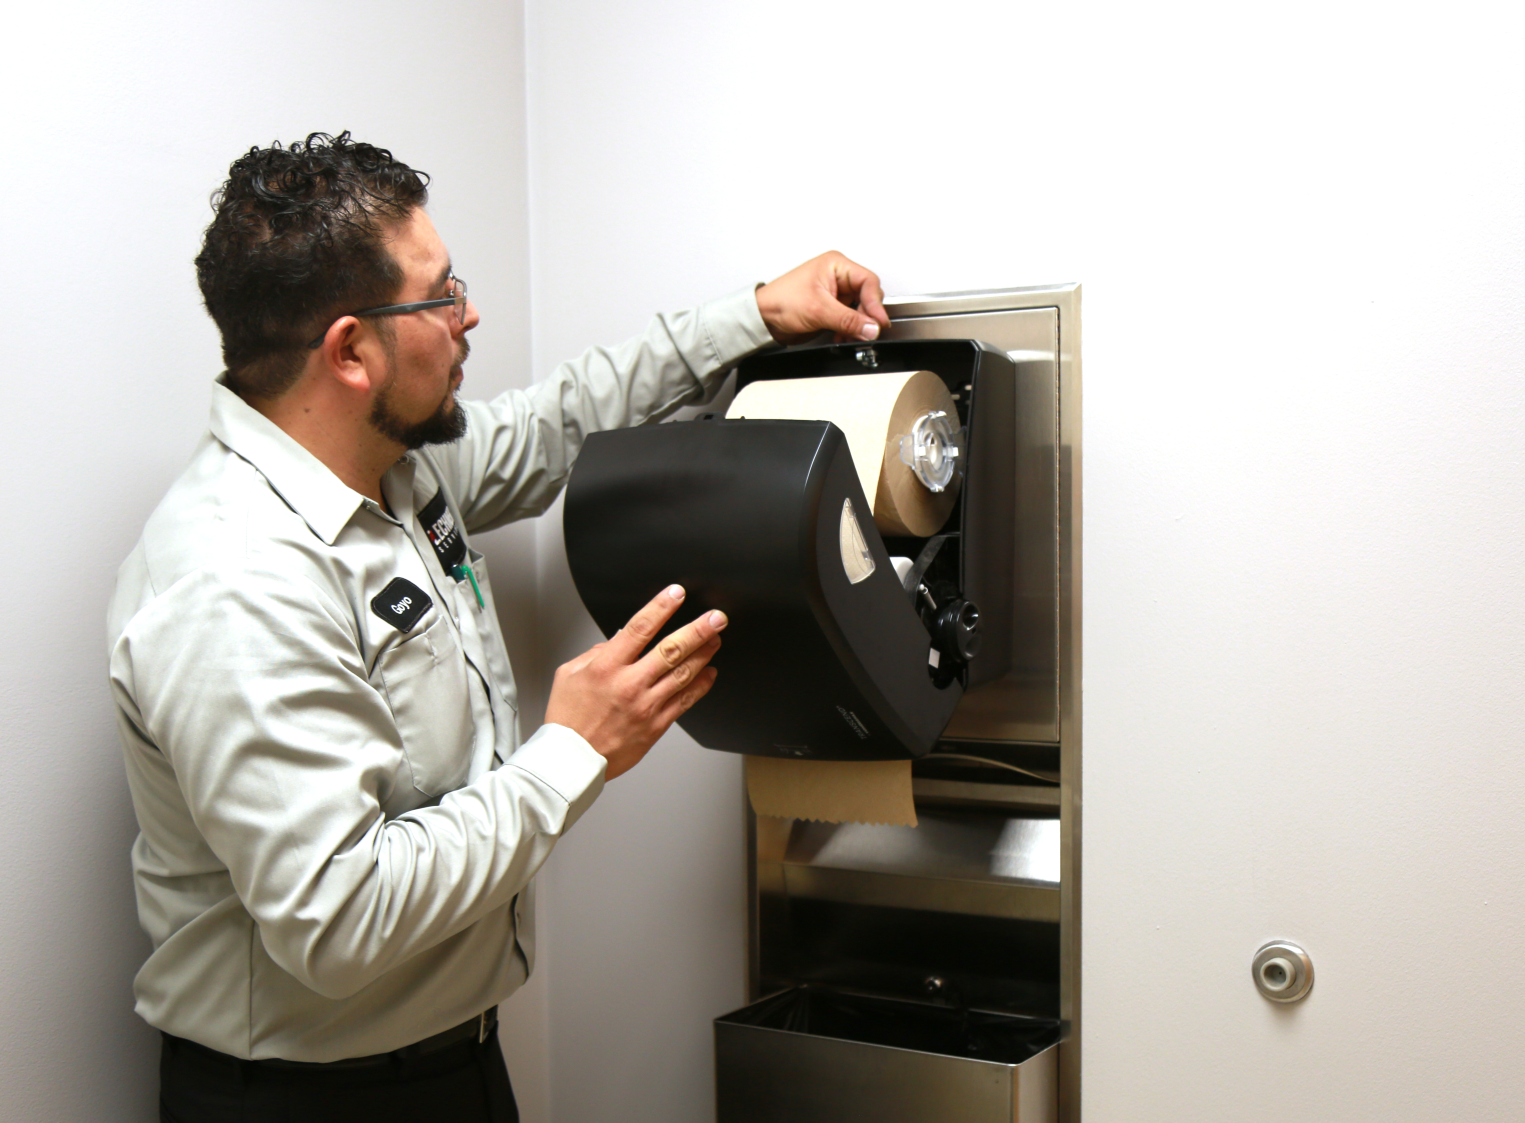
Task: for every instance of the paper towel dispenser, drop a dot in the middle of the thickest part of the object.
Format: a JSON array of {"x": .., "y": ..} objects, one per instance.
[{"x": 830, "y": 654}]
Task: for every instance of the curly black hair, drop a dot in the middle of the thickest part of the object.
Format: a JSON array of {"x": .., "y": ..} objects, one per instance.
[{"x": 298, "y": 239}]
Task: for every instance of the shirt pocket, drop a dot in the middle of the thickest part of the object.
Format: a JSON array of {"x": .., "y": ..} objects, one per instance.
[
  {"x": 478, "y": 562},
  {"x": 492, "y": 636},
  {"x": 425, "y": 681}
]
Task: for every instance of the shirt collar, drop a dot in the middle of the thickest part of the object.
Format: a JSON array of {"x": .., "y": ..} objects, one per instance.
[{"x": 307, "y": 485}]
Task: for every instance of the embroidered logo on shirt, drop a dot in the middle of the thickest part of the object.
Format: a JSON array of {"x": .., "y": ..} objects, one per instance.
[
  {"x": 439, "y": 524},
  {"x": 401, "y": 603}
]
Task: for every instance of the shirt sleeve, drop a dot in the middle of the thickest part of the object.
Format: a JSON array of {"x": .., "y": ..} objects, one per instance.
[
  {"x": 519, "y": 448},
  {"x": 284, "y": 753}
]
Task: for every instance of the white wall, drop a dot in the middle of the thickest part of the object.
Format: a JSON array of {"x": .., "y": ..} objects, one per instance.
[
  {"x": 1299, "y": 232},
  {"x": 1300, "y": 236},
  {"x": 120, "y": 121}
]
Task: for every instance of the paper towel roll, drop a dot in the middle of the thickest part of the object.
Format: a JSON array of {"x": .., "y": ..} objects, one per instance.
[{"x": 874, "y": 411}]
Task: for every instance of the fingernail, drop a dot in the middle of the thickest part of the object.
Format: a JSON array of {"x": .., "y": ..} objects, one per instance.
[
  {"x": 717, "y": 620},
  {"x": 676, "y": 592},
  {"x": 869, "y": 330}
]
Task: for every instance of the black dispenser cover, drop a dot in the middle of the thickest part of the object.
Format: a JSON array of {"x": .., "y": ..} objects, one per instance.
[{"x": 747, "y": 516}]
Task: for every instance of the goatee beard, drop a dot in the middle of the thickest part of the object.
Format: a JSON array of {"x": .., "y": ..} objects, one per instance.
[{"x": 444, "y": 426}]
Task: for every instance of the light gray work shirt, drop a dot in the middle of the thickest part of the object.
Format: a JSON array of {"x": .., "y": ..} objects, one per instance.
[{"x": 339, "y": 826}]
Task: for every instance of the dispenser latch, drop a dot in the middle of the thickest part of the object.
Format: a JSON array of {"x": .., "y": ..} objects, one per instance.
[{"x": 955, "y": 630}]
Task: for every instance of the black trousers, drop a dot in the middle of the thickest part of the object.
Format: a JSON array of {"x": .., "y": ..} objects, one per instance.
[{"x": 463, "y": 1083}]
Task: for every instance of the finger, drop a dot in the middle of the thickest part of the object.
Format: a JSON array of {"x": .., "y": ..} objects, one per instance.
[
  {"x": 685, "y": 672},
  {"x": 627, "y": 644},
  {"x": 870, "y": 296},
  {"x": 849, "y": 324},
  {"x": 836, "y": 313},
  {"x": 857, "y": 287},
  {"x": 684, "y": 700},
  {"x": 673, "y": 650}
]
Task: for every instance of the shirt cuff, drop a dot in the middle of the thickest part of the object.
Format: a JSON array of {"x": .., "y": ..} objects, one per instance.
[
  {"x": 565, "y": 763},
  {"x": 733, "y": 328}
]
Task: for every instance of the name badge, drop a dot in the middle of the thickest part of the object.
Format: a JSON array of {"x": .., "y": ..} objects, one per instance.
[{"x": 401, "y": 603}]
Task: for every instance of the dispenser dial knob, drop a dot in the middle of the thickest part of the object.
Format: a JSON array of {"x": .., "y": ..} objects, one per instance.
[{"x": 955, "y": 630}]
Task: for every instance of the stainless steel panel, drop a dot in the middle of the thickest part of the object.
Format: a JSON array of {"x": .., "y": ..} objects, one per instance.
[
  {"x": 936, "y": 316},
  {"x": 966, "y": 863},
  {"x": 957, "y": 793},
  {"x": 770, "y": 1076},
  {"x": 929, "y": 894},
  {"x": 970, "y": 847},
  {"x": 1040, "y": 703}
]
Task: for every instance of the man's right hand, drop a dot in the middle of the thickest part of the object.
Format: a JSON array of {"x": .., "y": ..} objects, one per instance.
[
  {"x": 827, "y": 293},
  {"x": 621, "y": 701}
]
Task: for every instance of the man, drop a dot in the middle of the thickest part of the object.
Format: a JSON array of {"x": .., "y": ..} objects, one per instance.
[{"x": 339, "y": 824}]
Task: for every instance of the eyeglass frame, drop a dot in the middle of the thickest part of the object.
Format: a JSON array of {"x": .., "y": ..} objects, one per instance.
[{"x": 457, "y": 298}]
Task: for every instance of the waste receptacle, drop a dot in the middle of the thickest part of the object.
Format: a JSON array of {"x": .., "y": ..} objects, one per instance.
[{"x": 809, "y": 1055}]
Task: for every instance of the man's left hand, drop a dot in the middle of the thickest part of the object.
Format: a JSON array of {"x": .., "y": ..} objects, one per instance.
[{"x": 827, "y": 293}]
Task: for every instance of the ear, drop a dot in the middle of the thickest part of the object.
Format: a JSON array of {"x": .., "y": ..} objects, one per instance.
[{"x": 351, "y": 355}]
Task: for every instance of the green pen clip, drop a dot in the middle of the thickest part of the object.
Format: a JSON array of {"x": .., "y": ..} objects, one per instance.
[{"x": 463, "y": 573}]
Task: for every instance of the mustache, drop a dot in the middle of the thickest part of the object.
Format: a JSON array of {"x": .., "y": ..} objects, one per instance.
[{"x": 462, "y": 350}]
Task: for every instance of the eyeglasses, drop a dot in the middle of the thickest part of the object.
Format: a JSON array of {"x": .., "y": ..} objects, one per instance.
[{"x": 457, "y": 297}]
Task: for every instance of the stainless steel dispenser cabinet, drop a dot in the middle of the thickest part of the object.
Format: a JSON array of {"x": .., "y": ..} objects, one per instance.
[{"x": 913, "y": 975}]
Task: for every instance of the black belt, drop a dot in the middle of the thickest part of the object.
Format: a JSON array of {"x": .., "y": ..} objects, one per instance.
[{"x": 477, "y": 1030}]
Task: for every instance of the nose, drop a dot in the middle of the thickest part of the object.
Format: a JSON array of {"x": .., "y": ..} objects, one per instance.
[{"x": 472, "y": 317}]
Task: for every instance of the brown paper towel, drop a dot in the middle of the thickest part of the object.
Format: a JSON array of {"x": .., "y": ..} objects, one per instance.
[
  {"x": 873, "y": 411},
  {"x": 835, "y": 791}
]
